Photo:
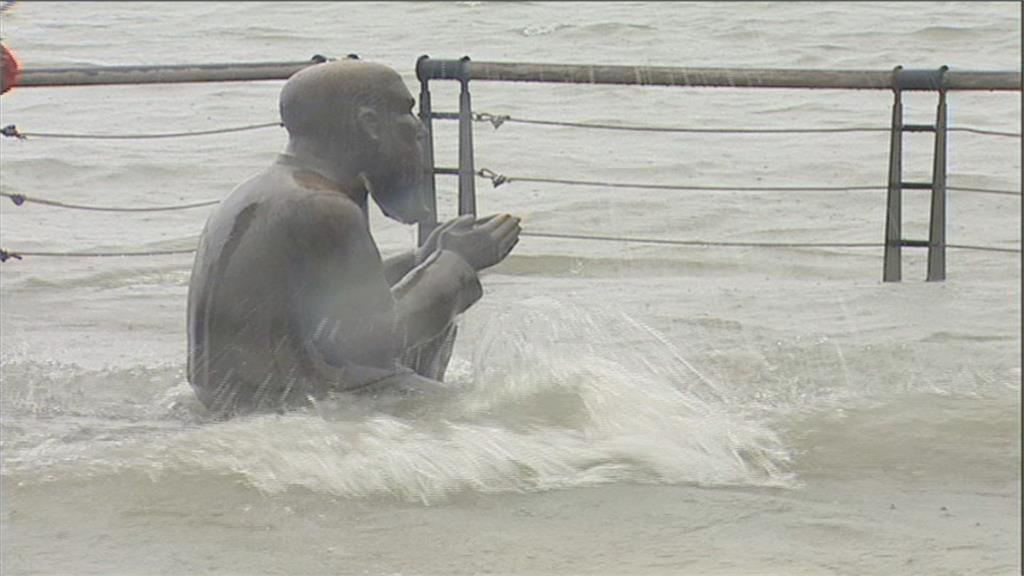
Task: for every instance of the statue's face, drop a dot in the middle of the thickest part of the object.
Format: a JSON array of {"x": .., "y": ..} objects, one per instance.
[{"x": 398, "y": 177}]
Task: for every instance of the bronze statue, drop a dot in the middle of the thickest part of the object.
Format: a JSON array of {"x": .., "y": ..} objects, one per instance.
[{"x": 290, "y": 299}]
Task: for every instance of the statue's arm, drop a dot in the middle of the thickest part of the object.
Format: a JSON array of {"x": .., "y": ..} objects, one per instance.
[
  {"x": 348, "y": 310},
  {"x": 429, "y": 297},
  {"x": 398, "y": 265}
]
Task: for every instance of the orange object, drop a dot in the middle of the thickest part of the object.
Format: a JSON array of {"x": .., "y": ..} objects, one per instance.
[{"x": 10, "y": 69}]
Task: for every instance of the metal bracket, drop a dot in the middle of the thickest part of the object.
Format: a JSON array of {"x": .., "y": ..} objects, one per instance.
[{"x": 918, "y": 79}]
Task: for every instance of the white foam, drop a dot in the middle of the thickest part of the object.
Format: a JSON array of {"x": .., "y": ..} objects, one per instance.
[{"x": 548, "y": 406}]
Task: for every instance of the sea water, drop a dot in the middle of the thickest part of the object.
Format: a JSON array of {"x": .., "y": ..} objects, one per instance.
[{"x": 620, "y": 407}]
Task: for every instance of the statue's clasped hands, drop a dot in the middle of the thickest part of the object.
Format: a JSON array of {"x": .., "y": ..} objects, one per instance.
[{"x": 482, "y": 242}]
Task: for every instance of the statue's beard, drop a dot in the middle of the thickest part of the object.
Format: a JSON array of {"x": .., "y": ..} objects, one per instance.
[
  {"x": 399, "y": 185},
  {"x": 401, "y": 200}
]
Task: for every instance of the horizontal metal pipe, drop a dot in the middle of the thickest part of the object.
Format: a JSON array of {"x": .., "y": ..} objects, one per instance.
[
  {"x": 698, "y": 77},
  {"x": 106, "y": 75}
]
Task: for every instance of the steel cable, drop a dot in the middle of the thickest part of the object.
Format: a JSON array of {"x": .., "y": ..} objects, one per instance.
[
  {"x": 751, "y": 244},
  {"x": 500, "y": 179},
  {"x": 497, "y": 120},
  {"x": 707, "y": 243},
  {"x": 19, "y": 199},
  {"x": 12, "y": 131},
  {"x": 17, "y": 254},
  {"x": 4, "y": 255}
]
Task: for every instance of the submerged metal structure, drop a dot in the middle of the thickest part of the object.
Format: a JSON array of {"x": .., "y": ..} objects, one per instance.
[{"x": 898, "y": 80}]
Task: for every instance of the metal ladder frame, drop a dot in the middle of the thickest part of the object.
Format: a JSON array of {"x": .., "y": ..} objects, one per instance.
[
  {"x": 894, "y": 241},
  {"x": 466, "y": 170}
]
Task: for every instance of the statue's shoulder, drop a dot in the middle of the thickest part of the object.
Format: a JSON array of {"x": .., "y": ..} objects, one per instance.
[
  {"x": 313, "y": 204},
  {"x": 289, "y": 189},
  {"x": 284, "y": 201}
]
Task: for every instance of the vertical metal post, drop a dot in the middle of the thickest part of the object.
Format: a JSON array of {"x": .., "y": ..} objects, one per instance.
[
  {"x": 937, "y": 228},
  {"x": 892, "y": 267},
  {"x": 426, "y": 117},
  {"x": 467, "y": 172}
]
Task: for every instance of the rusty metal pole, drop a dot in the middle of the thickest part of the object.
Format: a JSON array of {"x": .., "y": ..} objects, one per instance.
[
  {"x": 467, "y": 172},
  {"x": 145, "y": 74},
  {"x": 426, "y": 117},
  {"x": 892, "y": 266},
  {"x": 721, "y": 77},
  {"x": 937, "y": 229}
]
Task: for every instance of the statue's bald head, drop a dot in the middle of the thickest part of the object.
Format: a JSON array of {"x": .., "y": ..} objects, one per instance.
[
  {"x": 319, "y": 100},
  {"x": 355, "y": 120}
]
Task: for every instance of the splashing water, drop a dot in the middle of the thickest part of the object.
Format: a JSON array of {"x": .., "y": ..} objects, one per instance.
[{"x": 557, "y": 396}]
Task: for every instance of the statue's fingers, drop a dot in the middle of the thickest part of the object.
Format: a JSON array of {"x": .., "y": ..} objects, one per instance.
[
  {"x": 508, "y": 245},
  {"x": 493, "y": 223},
  {"x": 506, "y": 228},
  {"x": 509, "y": 240},
  {"x": 461, "y": 221},
  {"x": 457, "y": 225},
  {"x": 441, "y": 229},
  {"x": 450, "y": 224}
]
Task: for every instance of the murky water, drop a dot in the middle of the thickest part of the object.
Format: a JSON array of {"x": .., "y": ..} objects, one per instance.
[{"x": 621, "y": 408}]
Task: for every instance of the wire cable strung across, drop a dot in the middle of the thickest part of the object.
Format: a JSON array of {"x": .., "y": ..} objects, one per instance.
[
  {"x": 20, "y": 199},
  {"x": 5, "y": 254},
  {"x": 706, "y": 243},
  {"x": 497, "y": 180},
  {"x": 497, "y": 120},
  {"x": 18, "y": 254},
  {"x": 11, "y": 131},
  {"x": 500, "y": 179},
  {"x": 749, "y": 244},
  {"x": 984, "y": 248},
  {"x": 983, "y": 190}
]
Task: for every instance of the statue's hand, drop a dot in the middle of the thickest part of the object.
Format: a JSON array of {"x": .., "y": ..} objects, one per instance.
[
  {"x": 430, "y": 245},
  {"x": 485, "y": 243}
]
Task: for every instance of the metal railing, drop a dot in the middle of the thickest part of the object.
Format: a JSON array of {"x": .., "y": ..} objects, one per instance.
[
  {"x": 898, "y": 80},
  {"x": 175, "y": 74},
  {"x": 464, "y": 70}
]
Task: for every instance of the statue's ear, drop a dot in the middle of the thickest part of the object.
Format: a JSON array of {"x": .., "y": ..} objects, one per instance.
[{"x": 369, "y": 123}]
